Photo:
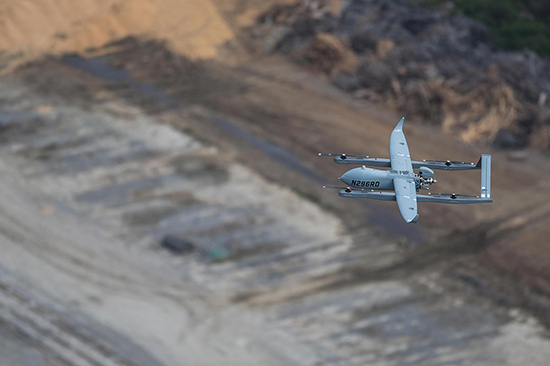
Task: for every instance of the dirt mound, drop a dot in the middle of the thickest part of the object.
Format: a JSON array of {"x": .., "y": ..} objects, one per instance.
[{"x": 194, "y": 28}]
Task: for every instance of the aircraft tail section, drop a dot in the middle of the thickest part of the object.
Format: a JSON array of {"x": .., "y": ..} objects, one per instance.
[
  {"x": 485, "y": 165},
  {"x": 485, "y": 176}
]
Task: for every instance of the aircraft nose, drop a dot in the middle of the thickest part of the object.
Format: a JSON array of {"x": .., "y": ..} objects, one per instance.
[{"x": 346, "y": 178}]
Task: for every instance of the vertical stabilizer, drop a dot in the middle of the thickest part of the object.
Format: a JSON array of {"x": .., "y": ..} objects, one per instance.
[{"x": 486, "y": 176}]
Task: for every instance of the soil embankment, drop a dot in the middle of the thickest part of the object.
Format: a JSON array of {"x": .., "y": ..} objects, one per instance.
[{"x": 198, "y": 29}]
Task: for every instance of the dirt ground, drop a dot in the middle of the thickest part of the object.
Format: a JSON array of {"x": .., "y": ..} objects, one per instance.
[
  {"x": 270, "y": 99},
  {"x": 99, "y": 164},
  {"x": 90, "y": 192}
]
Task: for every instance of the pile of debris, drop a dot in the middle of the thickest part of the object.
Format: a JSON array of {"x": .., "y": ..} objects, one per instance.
[{"x": 429, "y": 65}]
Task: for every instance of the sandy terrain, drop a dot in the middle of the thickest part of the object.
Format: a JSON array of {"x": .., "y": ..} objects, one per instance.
[
  {"x": 90, "y": 185},
  {"x": 87, "y": 200},
  {"x": 198, "y": 29}
]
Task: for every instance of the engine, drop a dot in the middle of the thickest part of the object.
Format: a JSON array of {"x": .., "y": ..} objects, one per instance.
[
  {"x": 425, "y": 183},
  {"x": 426, "y": 176}
]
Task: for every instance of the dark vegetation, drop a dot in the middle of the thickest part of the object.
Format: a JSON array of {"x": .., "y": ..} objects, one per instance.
[{"x": 514, "y": 24}]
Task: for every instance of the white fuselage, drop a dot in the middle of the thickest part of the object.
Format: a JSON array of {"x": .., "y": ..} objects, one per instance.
[{"x": 375, "y": 179}]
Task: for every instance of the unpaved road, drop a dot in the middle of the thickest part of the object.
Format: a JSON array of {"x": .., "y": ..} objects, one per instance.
[{"x": 90, "y": 183}]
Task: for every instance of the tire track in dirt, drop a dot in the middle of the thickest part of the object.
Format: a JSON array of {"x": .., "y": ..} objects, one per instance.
[{"x": 54, "y": 334}]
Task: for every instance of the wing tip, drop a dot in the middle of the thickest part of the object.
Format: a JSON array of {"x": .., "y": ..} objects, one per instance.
[
  {"x": 400, "y": 124},
  {"x": 415, "y": 219}
]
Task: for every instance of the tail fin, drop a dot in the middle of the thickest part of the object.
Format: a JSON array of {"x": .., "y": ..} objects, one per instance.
[{"x": 485, "y": 176}]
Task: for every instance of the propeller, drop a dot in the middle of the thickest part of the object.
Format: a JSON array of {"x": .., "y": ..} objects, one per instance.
[{"x": 451, "y": 195}]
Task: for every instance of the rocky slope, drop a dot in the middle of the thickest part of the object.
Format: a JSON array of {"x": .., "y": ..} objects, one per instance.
[{"x": 433, "y": 67}]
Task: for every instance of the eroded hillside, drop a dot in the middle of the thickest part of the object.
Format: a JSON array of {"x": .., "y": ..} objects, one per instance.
[
  {"x": 194, "y": 28},
  {"x": 432, "y": 66}
]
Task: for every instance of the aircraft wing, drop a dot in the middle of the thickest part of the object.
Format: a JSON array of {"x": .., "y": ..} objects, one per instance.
[
  {"x": 405, "y": 193},
  {"x": 400, "y": 157}
]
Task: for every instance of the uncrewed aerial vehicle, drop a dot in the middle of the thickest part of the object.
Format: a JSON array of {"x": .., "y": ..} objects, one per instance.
[{"x": 371, "y": 183}]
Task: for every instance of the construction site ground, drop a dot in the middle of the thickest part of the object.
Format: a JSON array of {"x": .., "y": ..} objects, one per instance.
[{"x": 99, "y": 164}]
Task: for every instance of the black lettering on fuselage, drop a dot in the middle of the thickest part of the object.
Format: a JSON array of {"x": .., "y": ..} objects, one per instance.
[{"x": 363, "y": 183}]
